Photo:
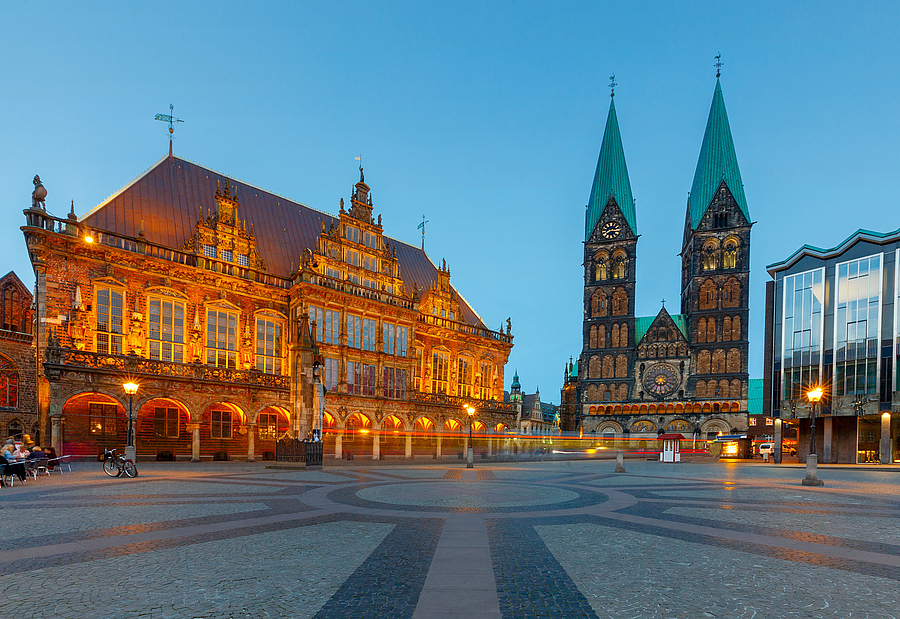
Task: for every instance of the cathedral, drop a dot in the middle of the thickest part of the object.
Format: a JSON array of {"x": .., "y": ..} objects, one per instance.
[{"x": 641, "y": 376}]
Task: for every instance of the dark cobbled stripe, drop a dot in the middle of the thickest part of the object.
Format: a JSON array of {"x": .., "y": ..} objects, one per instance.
[
  {"x": 387, "y": 585},
  {"x": 530, "y": 581}
]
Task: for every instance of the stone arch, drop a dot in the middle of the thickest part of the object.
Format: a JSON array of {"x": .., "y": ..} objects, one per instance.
[
  {"x": 601, "y": 266},
  {"x": 703, "y": 362},
  {"x": 614, "y": 336},
  {"x": 726, "y": 328},
  {"x": 608, "y": 425},
  {"x": 731, "y": 293},
  {"x": 590, "y": 393},
  {"x": 94, "y": 420},
  {"x": 619, "y": 302},
  {"x": 733, "y": 362},
  {"x": 161, "y": 428},
  {"x": 708, "y": 295},
  {"x": 621, "y": 366},
  {"x": 730, "y": 253},
  {"x": 736, "y": 389},
  {"x": 452, "y": 426},
  {"x": 623, "y": 335},
  {"x": 595, "y": 367},
  {"x": 712, "y": 427},
  {"x": 700, "y": 389},
  {"x": 608, "y": 366},
  {"x": 623, "y": 391},
  {"x": 619, "y": 264},
  {"x": 711, "y": 329},
  {"x": 736, "y": 333},
  {"x": 710, "y": 255},
  {"x": 599, "y": 304},
  {"x": 701, "y": 330},
  {"x": 592, "y": 337},
  {"x": 718, "y": 362}
]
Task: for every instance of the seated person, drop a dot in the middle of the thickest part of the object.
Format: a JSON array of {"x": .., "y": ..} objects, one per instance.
[
  {"x": 7, "y": 451},
  {"x": 21, "y": 452},
  {"x": 39, "y": 454}
]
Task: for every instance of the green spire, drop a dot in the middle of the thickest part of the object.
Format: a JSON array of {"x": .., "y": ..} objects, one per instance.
[
  {"x": 717, "y": 162},
  {"x": 611, "y": 178}
]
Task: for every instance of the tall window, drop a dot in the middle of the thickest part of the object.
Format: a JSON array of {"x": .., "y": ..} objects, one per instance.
[
  {"x": 402, "y": 334},
  {"x": 220, "y": 424},
  {"x": 352, "y": 257},
  {"x": 332, "y": 373},
  {"x": 464, "y": 377},
  {"x": 440, "y": 368},
  {"x": 267, "y": 425},
  {"x": 368, "y": 379},
  {"x": 354, "y": 331},
  {"x": 102, "y": 420},
  {"x": 332, "y": 327},
  {"x": 110, "y": 306},
  {"x": 354, "y": 377},
  {"x": 268, "y": 345},
  {"x": 729, "y": 255},
  {"x": 165, "y": 422},
  {"x": 370, "y": 240},
  {"x": 9, "y": 383},
  {"x": 221, "y": 338},
  {"x": 418, "y": 378},
  {"x": 388, "y": 336},
  {"x": 369, "y": 334},
  {"x": 209, "y": 251},
  {"x": 166, "y": 336},
  {"x": 351, "y": 234},
  {"x": 394, "y": 382},
  {"x": 317, "y": 315},
  {"x": 370, "y": 263},
  {"x": 487, "y": 381},
  {"x": 12, "y": 318},
  {"x": 856, "y": 326}
]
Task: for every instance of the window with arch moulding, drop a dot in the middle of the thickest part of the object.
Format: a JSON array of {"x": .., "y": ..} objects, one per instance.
[
  {"x": 9, "y": 384},
  {"x": 110, "y": 322}
]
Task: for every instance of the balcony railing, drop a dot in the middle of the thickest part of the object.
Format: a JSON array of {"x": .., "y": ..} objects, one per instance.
[
  {"x": 6, "y": 334},
  {"x": 40, "y": 219},
  {"x": 58, "y": 359},
  {"x": 462, "y": 327},
  {"x": 461, "y": 402},
  {"x": 365, "y": 292}
]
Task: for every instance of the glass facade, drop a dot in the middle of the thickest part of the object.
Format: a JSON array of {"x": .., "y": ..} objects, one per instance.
[
  {"x": 802, "y": 331},
  {"x": 856, "y": 326}
]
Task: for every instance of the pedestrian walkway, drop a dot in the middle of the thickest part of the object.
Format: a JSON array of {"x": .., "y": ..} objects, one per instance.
[{"x": 431, "y": 540}]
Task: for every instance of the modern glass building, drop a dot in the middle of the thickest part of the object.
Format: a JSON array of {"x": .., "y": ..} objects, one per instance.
[{"x": 831, "y": 321}]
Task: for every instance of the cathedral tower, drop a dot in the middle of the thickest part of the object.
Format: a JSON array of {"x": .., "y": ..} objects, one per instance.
[
  {"x": 715, "y": 274},
  {"x": 610, "y": 243}
]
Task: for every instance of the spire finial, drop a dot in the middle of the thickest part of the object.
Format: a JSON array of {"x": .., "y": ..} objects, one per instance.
[
  {"x": 663, "y": 302},
  {"x": 612, "y": 85},
  {"x": 718, "y": 65}
]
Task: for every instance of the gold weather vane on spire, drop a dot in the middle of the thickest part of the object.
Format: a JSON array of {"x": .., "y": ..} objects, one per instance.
[
  {"x": 719, "y": 64},
  {"x": 169, "y": 118},
  {"x": 612, "y": 85}
]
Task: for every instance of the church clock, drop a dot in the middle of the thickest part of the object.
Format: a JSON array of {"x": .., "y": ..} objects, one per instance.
[
  {"x": 611, "y": 230},
  {"x": 661, "y": 379}
]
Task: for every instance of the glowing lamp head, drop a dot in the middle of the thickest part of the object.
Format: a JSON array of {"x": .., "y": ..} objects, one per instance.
[
  {"x": 130, "y": 388},
  {"x": 470, "y": 410},
  {"x": 814, "y": 395},
  {"x": 88, "y": 239}
]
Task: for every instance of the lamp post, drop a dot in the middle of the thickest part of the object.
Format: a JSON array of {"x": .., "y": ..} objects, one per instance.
[
  {"x": 470, "y": 458},
  {"x": 811, "y": 479},
  {"x": 130, "y": 388}
]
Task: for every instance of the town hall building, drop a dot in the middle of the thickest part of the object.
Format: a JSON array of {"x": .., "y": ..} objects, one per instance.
[{"x": 641, "y": 376}]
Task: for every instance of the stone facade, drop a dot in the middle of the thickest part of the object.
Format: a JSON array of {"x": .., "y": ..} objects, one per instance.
[
  {"x": 230, "y": 316},
  {"x": 18, "y": 386}
]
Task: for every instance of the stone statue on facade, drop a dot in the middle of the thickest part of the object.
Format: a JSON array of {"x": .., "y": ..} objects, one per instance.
[{"x": 39, "y": 194}]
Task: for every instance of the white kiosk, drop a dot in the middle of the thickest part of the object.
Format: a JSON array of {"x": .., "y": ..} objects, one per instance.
[{"x": 671, "y": 451}]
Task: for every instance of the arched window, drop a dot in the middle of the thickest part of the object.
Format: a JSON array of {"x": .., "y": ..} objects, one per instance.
[
  {"x": 11, "y": 317},
  {"x": 594, "y": 367},
  {"x": 601, "y": 267},
  {"x": 733, "y": 364},
  {"x": 710, "y": 255},
  {"x": 736, "y": 329},
  {"x": 711, "y": 330},
  {"x": 9, "y": 383},
  {"x": 621, "y": 366},
  {"x": 731, "y": 293},
  {"x": 608, "y": 366},
  {"x": 601, "y": 336},
  {"x": 700, "y": 389},
  {"x": 592, "y": 337},
  {"x": 736, "y": 390},
  {"x": 620, "y": 302},
  {"x": 708, "y": 295},
  {"x": 623, "y": 391},
  {"x": 620, "y": 265},
  {"x": 14, "y": 429},
  {"x": 614, "y": 336},
  {"x": 718, "y": 362},
  {"x": 598, "y": 304},
  {"x": 623, "y": 335},
  {"x": 701, "y": 330},
  {"x": 703, "y": 362},
  {"x": 726, "y": 329},
  {"x": 730, "y": 254}
]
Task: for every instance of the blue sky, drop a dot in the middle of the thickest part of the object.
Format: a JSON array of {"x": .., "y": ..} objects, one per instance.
[{"x": 485, "y": 117}]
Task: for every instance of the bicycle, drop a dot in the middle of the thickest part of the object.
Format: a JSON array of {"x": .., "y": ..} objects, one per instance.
[{"x": 116, "y": 465}]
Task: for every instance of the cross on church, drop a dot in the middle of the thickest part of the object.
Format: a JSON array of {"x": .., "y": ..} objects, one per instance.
[{"x": 663, "y": 302}]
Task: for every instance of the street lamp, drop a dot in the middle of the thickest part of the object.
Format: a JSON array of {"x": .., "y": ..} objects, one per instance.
[
  {"x": 130, "y": 388},
  {"x": 811, "y": 479},
  {"x": 470, "y": 461}
]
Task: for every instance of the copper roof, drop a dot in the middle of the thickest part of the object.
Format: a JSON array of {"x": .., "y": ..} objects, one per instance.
[{"x": 174, "y": 194}]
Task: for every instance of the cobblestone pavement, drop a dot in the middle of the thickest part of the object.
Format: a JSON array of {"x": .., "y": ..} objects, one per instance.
[{"x": 420, "y": 540}]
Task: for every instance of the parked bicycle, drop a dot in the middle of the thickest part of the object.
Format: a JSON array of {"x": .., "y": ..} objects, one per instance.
[{"x": 116, "y": 465}]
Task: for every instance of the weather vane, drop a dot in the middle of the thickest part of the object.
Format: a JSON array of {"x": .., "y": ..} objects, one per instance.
[
  {"x": 421, "y": 226},
  {"x": 612, "y": 85},
  {"x": 169, "y": 118},
  {"x": 718, "y": 64}
]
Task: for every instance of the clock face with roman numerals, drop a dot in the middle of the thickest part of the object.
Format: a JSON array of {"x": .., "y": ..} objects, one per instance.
[{"x": 611, "y": 230}]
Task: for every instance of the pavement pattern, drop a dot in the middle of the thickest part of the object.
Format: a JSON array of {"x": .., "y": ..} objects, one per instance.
[{"x": 433, "y": 540}]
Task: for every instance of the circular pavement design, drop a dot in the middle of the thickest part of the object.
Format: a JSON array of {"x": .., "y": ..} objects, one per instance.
[{"x": 456, "y": 496}]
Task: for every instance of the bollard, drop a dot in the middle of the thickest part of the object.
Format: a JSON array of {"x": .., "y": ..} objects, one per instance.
[
  {"x": 811, "y": 465},
  {"x": 620, "y": 461},
  {"x": 470, "y": 461}
]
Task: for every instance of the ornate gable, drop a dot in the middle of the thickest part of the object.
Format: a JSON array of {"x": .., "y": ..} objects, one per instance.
[
  {"x": 663, "y": 338},
  {"x": 611, "y": 225},
  {"x": 223, "y": 236}
]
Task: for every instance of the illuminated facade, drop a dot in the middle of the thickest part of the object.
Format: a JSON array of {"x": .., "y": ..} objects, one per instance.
[
  {"x": 831, "y": 321},
  {"x": 226, "y": 303},
  {"x": 678, "y": 373}
]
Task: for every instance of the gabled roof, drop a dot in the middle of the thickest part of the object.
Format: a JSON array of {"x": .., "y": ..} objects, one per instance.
[
  {"x": 174, "y": 194},
  {"x": 643, "y": 323},
  {"x": 12, "y": 278},
  {"x": 717, "y": 162},
  {"x": 610, "y": 178}
]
